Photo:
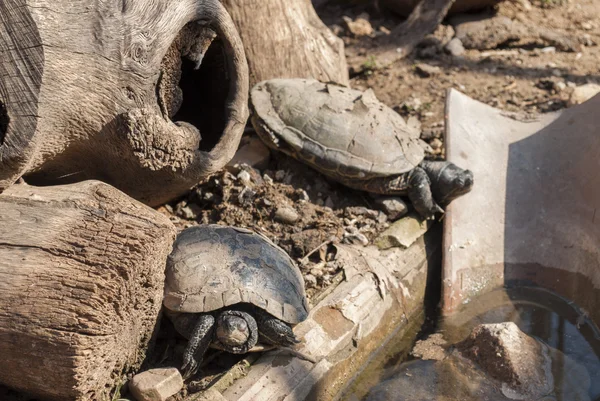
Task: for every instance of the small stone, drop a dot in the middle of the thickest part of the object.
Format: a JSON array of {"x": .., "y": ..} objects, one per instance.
[
  {"x": 302, "y": 195},
  {"x": 286, "y": 215},
  {"x": 427, "y": 70},
  {"x": 549, "y": 49},
  {"x": 393, "y": 207},
  {"x": 253, "y": 153},
  {"x": 186, "y": 213},
  {"x": 372, "y": 214},
  {"x": 355, "y": 211},
  {"x": 267, "y": 179},
  {"x": 583, "y": 93},
  {"x": 279, "y": 175},
  {"x": 436, "y": 144},
  {"x": 403, "y": 233},
  {"x": 360, "y": 26},
  {"x": 355, "y": 238},
  {"x": 156, "y": 384},
  {"x": 245, "y": 197},
  {"x": 455, "y": 47},
  {"x": 315, "y": 271},
  {"x": 244, "y": 178},
  {"x": 310, "y": 281},
  {"x": 559, "y": 86}
]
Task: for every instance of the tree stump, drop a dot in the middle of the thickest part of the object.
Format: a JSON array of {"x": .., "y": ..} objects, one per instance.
[
  {"x": 147, "y": 95},
  {"x": 81, "y": 286},
  {"x": 286, "y": 39}
]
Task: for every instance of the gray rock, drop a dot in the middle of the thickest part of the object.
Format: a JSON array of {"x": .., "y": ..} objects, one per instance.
[
  {"x": 286, "y": 215},
  {"x": 455, "y": 47},
  {"x": 403, "y": 233},
  {"x": 156, "y": 384},
  {"x": 393, "y": 207},
  {"x": 506, "y": 354}
]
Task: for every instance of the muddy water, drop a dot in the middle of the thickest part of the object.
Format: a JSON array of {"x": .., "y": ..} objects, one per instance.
[{"x": 553, "y": 320}]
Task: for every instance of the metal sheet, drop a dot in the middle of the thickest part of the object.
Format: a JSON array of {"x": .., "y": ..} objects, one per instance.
[{"x": 533, "y": 215}]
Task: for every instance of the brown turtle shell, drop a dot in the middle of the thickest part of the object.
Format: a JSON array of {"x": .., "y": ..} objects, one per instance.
[
  {"x": 215, "y": 266},
  {"x": 341, "y": 132}
]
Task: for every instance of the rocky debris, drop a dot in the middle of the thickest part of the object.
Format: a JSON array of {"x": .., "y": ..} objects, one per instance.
[
  {"x": 582, "y": 93},
  {"x": 510, "y": 356},
  {"x": 431, "y": 348},
  {"x": 393, "y": 207},
  {"x": 426, "y": 70},
  {"x": 253, "y": 152},
  {"x": 455, "y": 47},
  {"x": 286, "y": 214},
  {"x": 403, "y": 232},
  {"x": 359, "y": 26},
  {"x": 156, "y": 384}
]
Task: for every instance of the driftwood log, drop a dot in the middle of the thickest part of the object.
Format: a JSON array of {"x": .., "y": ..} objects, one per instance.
[
  {"x": 287, "y": 39},
  {"x": 147, "y": 95},
  {"x": 81, "y": 285}
]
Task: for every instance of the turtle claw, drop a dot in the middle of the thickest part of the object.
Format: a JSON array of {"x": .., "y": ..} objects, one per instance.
[{"x": 189, "y": 367}]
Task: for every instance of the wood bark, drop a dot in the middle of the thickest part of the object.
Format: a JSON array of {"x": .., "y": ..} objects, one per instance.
[
  {"x": 81, "y": 285},
  {"x": 286, "y": 39},
  {"x": 423, "y": 20},
  {"x": 89, "y": 90}
]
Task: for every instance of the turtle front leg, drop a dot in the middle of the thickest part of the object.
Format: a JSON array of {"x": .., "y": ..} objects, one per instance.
[
  {"x": 198, "y": 343},
  {"x": 419, "y": 193},
  {"x": 275, "y": 331}
]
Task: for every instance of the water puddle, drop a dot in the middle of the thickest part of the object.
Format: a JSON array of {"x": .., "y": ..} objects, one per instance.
[{"x": 572, "y": 339}]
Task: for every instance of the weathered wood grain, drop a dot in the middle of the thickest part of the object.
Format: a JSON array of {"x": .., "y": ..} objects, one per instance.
[
  {"x": 81, "y": 285},
  {"x": 75, "y": 76},
  {"x": 286, "y": 39}
]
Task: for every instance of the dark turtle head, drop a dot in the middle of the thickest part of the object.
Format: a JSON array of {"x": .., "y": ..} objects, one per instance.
[
  {"x": 236, "y": 331},
  {"x": 450, "y": 183}
]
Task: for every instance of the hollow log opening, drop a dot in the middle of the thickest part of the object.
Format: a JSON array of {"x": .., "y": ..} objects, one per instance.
[
  {"x": 195, "y": 82},
  {"x": 4, "y": 120}
]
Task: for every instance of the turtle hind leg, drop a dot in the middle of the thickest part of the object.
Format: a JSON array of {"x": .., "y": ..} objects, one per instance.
[
  {"x": 200, "y": 339},
  {"x": 419, "y": 193},
  {"x": 275, "y": 331}
]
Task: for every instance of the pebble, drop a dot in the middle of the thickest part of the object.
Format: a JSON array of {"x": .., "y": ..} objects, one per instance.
[
  {"x": 286, "y": 215},
  {"x": 244, "y": 178},
  {"x": 436, "y": 144},
  {"x": 427, "y": 70},
  {"x": 267, "y": 179},
  {"x": 549, "y": 49},
  {"x": 356, "y": 239},
  {"x": 455, "y": 47},
  {"x": 279, "y": 175},
  {"x": 156, "y": 384},
  {"x": 582, "y": 93},
  {"x": 393, "y": 207},
  {"x": 246, "y": 196},
  {"x": 302, "y": 195},
  {"x": 329, "y": 202},
  {"x": 310, "y": 280},
  {"x": 360, "y": 26}
]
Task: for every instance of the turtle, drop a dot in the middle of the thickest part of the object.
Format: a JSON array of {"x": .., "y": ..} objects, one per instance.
[
  {"x": 354, "y": 139},
  {"x": 229, "y": 288}
]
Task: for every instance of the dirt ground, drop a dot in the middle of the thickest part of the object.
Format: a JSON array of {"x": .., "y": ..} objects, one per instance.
[{"x": 519, "y": 68}]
